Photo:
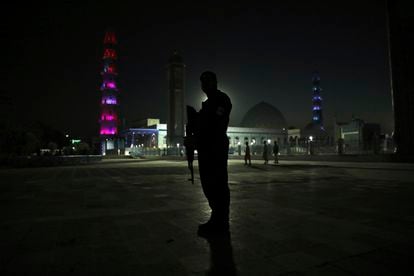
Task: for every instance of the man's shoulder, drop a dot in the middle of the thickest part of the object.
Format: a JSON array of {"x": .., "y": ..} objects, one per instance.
[{"x": 223, "y": 96}]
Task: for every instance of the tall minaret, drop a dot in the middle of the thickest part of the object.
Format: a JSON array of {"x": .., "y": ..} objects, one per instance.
[
  {"x": 317, "y": 118},
  {"x": 176, "y": 88},
  {"x": 109, "y": 95}
]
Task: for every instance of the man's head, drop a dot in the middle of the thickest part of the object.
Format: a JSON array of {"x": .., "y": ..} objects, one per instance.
[{"x": 208, "y": 82}]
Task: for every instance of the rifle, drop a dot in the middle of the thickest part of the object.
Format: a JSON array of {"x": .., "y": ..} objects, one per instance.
[{"x": 190, "y": 140}]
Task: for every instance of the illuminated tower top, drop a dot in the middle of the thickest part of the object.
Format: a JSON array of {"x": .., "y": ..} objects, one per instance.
[
  {"x": 317, "y": 118},
  {"x": 110, "y": 38}
]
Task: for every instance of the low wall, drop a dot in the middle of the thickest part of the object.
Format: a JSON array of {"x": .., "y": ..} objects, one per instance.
[
  {"x": 47, "y": 161},
  {"x": 337, "y": 158}
]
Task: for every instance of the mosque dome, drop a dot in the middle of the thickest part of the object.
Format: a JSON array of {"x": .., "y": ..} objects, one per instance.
[{"x": 264, "y": 115}]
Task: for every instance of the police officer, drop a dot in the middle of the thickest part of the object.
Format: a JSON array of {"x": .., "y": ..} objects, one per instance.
[
  {"x": 213, "y": 147},
  {"x": 276, "y": 152},
  {"x": 265, "y": 153},
  {"x": 247, "y": 155}
]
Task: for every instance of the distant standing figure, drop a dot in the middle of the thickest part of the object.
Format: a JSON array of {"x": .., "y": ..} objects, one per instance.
[
  {"x": 340, "y": 146},
  {"x": 265, "y": 153},
  {"x": 311, "y": 148},
  {"x": 276, "y": 152},
  {"x": 247, "y": 155}
]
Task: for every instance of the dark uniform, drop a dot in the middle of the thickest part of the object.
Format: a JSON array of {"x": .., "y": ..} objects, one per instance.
[
  {"x": 276, "y": 152},
  {"x": 265, "y": 153},
  {"x": 247, "y": 155},
  {"x": 213, "y": 147}
]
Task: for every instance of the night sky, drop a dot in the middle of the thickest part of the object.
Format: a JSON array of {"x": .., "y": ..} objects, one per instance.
[{"x": 259, "y": 52}]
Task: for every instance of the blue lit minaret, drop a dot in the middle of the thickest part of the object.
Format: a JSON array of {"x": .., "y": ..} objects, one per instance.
[{"x": 317, "y": 118}]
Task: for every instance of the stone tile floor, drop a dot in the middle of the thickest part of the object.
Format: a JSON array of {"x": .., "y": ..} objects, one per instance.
[{"x": 141, "y": 218}]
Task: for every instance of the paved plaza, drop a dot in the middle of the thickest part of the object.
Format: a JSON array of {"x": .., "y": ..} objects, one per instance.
[{"x": 138, "y": 217}]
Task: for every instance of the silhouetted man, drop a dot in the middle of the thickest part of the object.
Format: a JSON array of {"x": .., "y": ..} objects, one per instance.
[
  {"x": 247, "y": 155},
  {"x": 265, "y": 153},
  {"x": 276, "y": 152},
  {"x": 340, "y": 146},
  {"x": 213, "y": 147}
]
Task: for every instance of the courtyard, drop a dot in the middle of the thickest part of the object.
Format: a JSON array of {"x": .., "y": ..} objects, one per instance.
[{"x": 140, "y": 217}]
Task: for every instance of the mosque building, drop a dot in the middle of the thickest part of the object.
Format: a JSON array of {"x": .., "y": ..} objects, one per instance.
[{"x": 263, "y": 122}]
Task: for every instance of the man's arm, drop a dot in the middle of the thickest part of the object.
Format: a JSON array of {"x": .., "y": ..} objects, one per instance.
[{"x": 222, "y": 112}]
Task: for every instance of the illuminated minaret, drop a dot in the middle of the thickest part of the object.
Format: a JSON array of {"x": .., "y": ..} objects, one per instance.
[
  {"x": 317, "y": 118},
  {"x": 109, "y": 95},
  {"x": 176, "y": 86}
]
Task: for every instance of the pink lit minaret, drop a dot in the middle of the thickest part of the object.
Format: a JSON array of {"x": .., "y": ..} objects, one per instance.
[{"x": 109, "y": 95}]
